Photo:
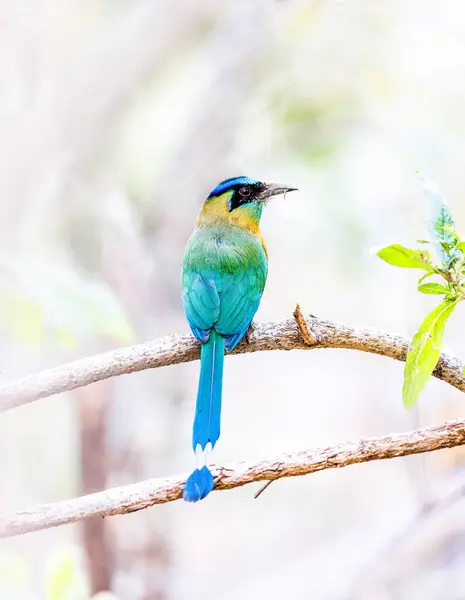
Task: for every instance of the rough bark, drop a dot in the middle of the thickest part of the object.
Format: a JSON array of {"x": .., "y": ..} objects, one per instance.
[
  {"x": 175, "y": 349},
  {"x": 135, "y": 497}
]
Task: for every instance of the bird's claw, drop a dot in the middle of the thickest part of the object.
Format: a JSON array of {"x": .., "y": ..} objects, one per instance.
[{"x": 249, "y": 332}]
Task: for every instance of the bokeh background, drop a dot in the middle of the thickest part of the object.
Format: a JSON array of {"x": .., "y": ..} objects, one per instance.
[{"x": 117, "y": 117}]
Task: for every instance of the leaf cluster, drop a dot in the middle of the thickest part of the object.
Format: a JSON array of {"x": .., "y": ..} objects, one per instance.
[{"x": 445, "y": 277}]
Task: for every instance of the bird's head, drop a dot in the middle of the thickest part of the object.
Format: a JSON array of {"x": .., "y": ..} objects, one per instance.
[{"x": 241, "y": 200}]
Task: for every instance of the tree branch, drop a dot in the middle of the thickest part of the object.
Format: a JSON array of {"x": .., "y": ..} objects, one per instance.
[
  {"x": 174, "y": 349},
  {"x": 135, "y": 497}
]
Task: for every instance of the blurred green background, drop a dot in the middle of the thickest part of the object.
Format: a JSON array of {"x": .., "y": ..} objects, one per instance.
[{"x": 117, "y": 117}]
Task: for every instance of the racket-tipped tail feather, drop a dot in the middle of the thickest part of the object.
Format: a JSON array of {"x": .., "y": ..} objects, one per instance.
[{"x": 198, "y": 485}]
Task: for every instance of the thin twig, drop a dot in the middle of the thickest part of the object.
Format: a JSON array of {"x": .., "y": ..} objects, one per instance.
[
  {"x": 135, "y": 497},
  {"x": 309, "y": 338},
  {"x": 262, "y": 489},
  {"x": 174, "y": 349}
]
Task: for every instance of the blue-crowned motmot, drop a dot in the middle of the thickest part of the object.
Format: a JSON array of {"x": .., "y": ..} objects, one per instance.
[{"x": 223, "y": 276}]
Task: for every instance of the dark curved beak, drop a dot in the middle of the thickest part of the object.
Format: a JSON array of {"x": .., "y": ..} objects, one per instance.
[{"x": 274, "y": 189}]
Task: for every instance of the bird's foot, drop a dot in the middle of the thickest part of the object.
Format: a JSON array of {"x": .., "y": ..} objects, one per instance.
[{"x": 249, "y": 332}]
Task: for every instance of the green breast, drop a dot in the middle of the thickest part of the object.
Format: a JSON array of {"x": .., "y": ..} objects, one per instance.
[
  {"x": 224, "y": 249},
  {"x": 224, "y": 274}
]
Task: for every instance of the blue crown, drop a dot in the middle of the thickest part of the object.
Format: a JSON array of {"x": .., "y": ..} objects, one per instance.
[{"x": 231, "y": 183}]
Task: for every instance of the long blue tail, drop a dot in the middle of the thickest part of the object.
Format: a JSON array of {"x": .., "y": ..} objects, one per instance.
[{"x": 207, "y": 414}]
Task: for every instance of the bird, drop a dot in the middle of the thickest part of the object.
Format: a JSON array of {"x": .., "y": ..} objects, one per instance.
[{"x": 224, "y": 271}]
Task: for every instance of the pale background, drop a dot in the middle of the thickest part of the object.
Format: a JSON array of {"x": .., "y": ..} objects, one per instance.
[{"x": 116, "y": 118}]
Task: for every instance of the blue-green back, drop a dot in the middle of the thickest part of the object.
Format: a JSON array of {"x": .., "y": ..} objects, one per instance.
[{"x": 224, "y": 274}]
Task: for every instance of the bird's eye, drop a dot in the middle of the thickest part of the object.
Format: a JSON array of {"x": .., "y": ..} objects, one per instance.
[{"x": 245, "y": 191}]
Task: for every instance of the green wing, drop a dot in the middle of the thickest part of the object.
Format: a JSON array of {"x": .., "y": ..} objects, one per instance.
[
  {"x": 240, "y": 298},
  {"x": 201, "y": 302}
]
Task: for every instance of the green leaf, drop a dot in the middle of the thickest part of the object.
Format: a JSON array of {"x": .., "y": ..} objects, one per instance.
[
  {"x": 461, "y": 246},
  {"x": 73, "y": 307},
  {"x": 22, "y": 316},
  {"x": 442, "y": 222},
  {"x": 452, "y": 233},
  {"x": 61, "y": 578},
  {"x": 433, "y": 288},
  {"x": 399, "y": 256},
  {"x": 64, "y": 577},
  {"x": 425, "y": 276},
  {"x": 424, "y": 351},
  {"x": 447, "y": 247}
]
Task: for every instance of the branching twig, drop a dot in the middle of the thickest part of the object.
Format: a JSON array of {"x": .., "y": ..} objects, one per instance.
[
  {"x": 158, "y": 491},
  {"x": 262, "y": 489},
  {"x": 310, "y": 340},
  {"x": 174, "y": 349}
]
